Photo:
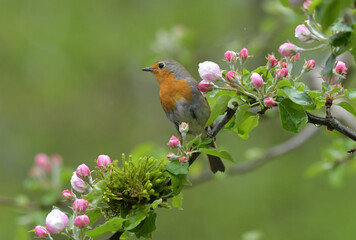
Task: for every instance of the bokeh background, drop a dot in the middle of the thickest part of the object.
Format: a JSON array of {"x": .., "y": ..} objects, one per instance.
[{"x": 71, "y": 84}]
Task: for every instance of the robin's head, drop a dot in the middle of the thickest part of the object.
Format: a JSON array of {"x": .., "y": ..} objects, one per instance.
[{"x": 167, "y": 69}]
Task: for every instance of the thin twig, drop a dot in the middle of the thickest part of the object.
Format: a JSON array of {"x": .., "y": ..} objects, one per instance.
[
  {"x": 332, "y": 123},
  {"x": 271, "y": 154}
]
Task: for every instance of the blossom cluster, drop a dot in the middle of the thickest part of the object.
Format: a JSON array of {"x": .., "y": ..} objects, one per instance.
[{"x": 57, "y": 221}]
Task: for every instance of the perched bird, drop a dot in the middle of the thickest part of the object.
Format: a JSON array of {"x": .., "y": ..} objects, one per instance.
[{"x": 183, "y": 102}]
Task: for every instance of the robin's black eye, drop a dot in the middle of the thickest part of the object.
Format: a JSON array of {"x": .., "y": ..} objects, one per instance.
[{"x": 161, "y": 65}]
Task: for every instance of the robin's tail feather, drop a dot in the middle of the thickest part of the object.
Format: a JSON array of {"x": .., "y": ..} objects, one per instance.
[{"x": 216, "y": 164}]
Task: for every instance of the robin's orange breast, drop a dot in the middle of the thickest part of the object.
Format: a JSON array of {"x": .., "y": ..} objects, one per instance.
[{"x": 172, "y": 90}]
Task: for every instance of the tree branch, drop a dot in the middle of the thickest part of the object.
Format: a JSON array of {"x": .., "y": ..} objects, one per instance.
[
  {"x": 271, "y": 154},
  {"x": 216, "y": 129},
  {"x": 332, "y": 123}
]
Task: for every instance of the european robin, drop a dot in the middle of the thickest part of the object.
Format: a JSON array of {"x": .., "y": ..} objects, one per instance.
[{"x": 183, "y": 102}]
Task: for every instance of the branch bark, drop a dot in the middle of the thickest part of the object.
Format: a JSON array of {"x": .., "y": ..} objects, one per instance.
[
  {"x": 332, "y": 123},
  {"x": 269, "y": 155},
  {"x": 216, "y": 129}
]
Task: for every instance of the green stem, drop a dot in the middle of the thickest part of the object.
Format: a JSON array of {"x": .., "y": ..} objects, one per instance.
[{"x": 321, "y": 46}]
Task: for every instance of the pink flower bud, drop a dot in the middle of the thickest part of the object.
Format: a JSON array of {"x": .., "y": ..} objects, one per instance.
[
  {"x": 288, "y": 49},
  {"x": 282, "y": 73},
  {"x": 269, "y": 102},
  {"x": 282, "y": 65},
  {"x": 40, "y": 231},
  {"x": 230, "y": 56},
  {"x": 340, "y": 68},
  {"x": 56, "y": 221},
  {"x": 303, "y": 33},
  {"x": 83, "y": 171},
  {"x": 256, "y": 80},
  {"x": 205, "y": 86},
  {"x": 42, "y": 160},
  {"x": 183, "y": 127},
  {"x": 80, "y": 206},
  {"x": 295, "y": 57},
  {"x": 231, "y": 76},
  {"x": 173, "y": 142},
  {"x": 67, "y": 195},
  {"x": 309, "y": 65},
  {"x": 271, "y": 61},
  {"x": 243, "y": 54},
  {"x": 183, "y": 160},
  {"x": 78, "y": 184},
  {"x": 209, "y": 71},
  {"x": 103, "y": 161},
  {"x": 172, "y": 156},
  {"x": 81, "y": 221}
]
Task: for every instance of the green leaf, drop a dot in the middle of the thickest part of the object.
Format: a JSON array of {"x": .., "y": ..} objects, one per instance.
[
  {"x": 328, "y": 69},
  {"x": 95, "y": 196},
  {"x": 177, "y": 182},
  {"x": 196, "y": 141},
  {"x": 156, "y": 203},
  {"x": 135, "y": 217},
  {"x": 146, "y": 228},
  {"x": 246, "y": 124},
  {"x": 240, "y": 112},
  {"x": 284, "y": 83},
  {"x": 176, "y": 168},
  {"x": 177, "y": 201},
  {"x": 262, "y": 70},
  {"x": 292, "y": 115},
  {"x": 94, "y": 215},
  {"x": 219, "y": 108},
  {"x": 112, "y": 225},
  {"x": 348, "y": 107},
  {"x": 328, "y": 12},
  {"x": 340, "y": 38},
  {"x": 216, "y": 152},
  {"x": 315, "y": 93},
  {"x": 350, "y": 93},
  {"x": 301, "y": 98}
]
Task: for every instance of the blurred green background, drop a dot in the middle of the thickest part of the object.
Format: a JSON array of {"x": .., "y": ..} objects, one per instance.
[{"x": 70, "y": 83}]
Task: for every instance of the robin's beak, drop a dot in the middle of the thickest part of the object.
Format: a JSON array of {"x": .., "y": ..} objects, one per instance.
[{"x": 147, "y": 69}]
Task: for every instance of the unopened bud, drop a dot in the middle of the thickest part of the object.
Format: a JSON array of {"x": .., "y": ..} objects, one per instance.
[
  {"x": 56, "y": 221},
  {"x": 271, "y": 61},
  {"x": 243, "y": 54},
  {"x": 303, "y": 34},
  {"x": 81, "y": 221},
  {"x": 68, "y": 195},
  {"x": 282, "y": 73},
  {"x": 230, "y": 56},
  {"x": 183, "y": 160},
  {"x": 340, "y": 68},
  {"x": 173, "y": 142},
  {"x": 269, "y": 102},
  {"x": 40, "y": 231},
  {"x": 205, "y": 86},
  {"x": 309, "y": 65},
  {"x": 231, "y": 76},
  {"x": 80, "y": 206},
  {"x": 288, "y": 49},
  {"x": 183, "y": 127},
  {"x": 103, "y": 161},
  {"x": 256, "y": 80},
  {"x": 83, "y": 171}
]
